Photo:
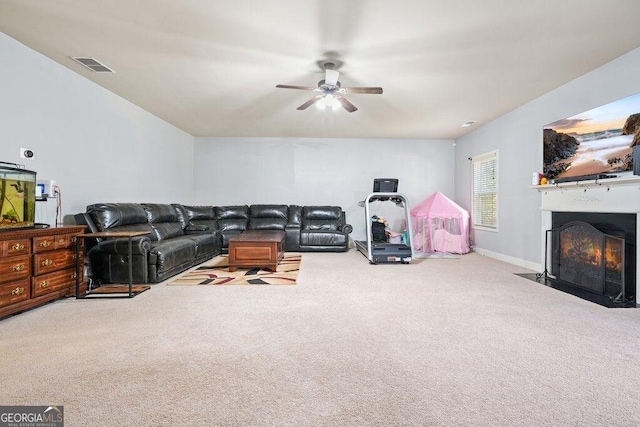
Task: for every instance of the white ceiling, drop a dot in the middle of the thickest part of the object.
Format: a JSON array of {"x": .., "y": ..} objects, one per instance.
[{"x": 210, "y": 67}]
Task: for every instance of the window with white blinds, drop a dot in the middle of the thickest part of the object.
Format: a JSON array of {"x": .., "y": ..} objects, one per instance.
[{"x": 485, "y": 191}]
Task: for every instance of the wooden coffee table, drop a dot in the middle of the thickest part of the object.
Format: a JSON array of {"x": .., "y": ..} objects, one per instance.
[{"x": 256, "y": 248}]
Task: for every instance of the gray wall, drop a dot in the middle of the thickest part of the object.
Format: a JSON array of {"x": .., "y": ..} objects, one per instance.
[
  {"x": 518, "y": 137},
  {"x": 320, "y": 171},
  {"x": 94, "y": 144}
]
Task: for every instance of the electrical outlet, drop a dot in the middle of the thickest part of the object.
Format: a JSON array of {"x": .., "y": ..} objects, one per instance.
[{"x": 27, "y": 153}]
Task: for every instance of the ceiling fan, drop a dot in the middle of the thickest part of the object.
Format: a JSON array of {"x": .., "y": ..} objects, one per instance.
[{"x": 331, "y": 92}]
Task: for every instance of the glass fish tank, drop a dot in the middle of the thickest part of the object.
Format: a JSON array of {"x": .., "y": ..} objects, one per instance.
[{"x": 17, "y": 197}]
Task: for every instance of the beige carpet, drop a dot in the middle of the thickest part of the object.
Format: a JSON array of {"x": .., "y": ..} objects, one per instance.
[
  {"x": 453, "y": 342},
  {"x": 216, "y": 272}
]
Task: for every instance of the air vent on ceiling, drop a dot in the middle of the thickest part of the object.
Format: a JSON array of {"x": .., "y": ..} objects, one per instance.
[{"x": 92, "y": 64}]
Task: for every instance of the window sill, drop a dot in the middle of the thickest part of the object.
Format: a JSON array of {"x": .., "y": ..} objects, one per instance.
[{"x": 482, "y": 228}]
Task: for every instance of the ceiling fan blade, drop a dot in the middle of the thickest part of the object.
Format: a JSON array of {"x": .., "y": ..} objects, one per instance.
[
  {"x": 331, "y": 77},
  {"x": 346, "y": 104},
  {"x": 296, "y": 87},
  {"x": 372, "y": 90},
  {"x": 310, "y": 102}
]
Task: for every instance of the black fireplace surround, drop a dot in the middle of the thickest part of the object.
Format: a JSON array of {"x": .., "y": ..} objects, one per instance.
[{"x": 617, "y": 226}]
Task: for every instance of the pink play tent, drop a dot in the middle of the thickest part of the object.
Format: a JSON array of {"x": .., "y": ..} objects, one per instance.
[{"x": 440, "y": 225}]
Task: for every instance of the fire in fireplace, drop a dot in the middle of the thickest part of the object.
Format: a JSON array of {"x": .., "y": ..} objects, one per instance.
[
  {"x": 588, "y": 258},
  {"x": 593, "y": 252}
]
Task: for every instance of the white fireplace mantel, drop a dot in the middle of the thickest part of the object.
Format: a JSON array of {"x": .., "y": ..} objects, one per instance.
[
  {"x": 619, "y": 195},
  {"x": 614, "y": 195}
]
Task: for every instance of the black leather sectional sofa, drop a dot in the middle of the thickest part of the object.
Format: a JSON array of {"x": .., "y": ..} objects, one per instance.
[{"x": 182, "y": 236}]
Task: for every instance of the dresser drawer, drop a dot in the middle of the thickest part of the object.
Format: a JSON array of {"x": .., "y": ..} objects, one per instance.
[
  {"x": 42, "y": 244},
  {"x": 50, "y": 243},
  {"x": 53, "y": 281},
  {"x": 15, "y": 247},
  {"x": 13, "y": 292},
  {"x": 65, "y": 241},
  {"x": 53, "y": 261},
  {"x": 15, "y": 267}
]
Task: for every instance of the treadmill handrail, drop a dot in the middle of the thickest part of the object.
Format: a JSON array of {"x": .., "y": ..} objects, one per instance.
[{"x": 387, "y": 197}]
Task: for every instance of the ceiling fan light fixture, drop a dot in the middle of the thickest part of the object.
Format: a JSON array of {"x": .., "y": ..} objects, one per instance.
[
  {"x": 333, "y": 102},
  {"x": 332, "y": 92},
  {"x": 331, "y": 77},
  {"x": 328, "y": 101}
]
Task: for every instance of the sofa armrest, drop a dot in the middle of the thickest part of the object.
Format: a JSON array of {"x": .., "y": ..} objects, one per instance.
[
  {"x": 139, "y": 245},
  {"x": 346, "y": 228}
]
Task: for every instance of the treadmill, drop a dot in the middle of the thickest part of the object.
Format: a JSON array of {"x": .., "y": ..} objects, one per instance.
[{"x": 384, "y": 252}]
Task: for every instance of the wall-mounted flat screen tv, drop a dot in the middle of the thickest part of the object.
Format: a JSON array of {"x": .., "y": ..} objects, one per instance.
[{"x": 594, "y": 143}]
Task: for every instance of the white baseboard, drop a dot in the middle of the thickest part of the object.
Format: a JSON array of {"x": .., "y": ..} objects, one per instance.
[{"x": 511, "y": 260}]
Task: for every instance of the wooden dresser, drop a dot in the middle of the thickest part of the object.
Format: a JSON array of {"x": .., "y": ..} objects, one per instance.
[{"x": 37, "y": 266}]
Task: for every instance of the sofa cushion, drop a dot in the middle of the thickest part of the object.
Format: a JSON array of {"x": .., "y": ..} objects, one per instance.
[
  {"x": 166, "y": 230},
  {"x": 157, "y": 212},
  {"x": 323, "y": 238},
  {"x": 200, "y": 212},
  {"x": 238, "y": 225},
  {"x": 267, "y": 224},
  {"x": 232, "y": 212},
  {"x": 324, "y": 213},
  {"x": 164, "y": 221},
  {"x": 232, "y": 218},
  {"x": 200, "y": 218},
  {"x": 182, "y": 215},
  {"x": 321, "y": 218},
  {"x": 206, "y": 244},
  {"x": 268, "y": 217},
  {"x": 319, "y": 225},
  {"x": 269, "y": 211},
  {"x": 295, "y": 216},
  {"x": 109, "y": 215},
  {"x": 172, "y": 253}
]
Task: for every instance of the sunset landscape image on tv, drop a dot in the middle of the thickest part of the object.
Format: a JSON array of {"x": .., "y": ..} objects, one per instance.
[{"x": 598, "y": 141}]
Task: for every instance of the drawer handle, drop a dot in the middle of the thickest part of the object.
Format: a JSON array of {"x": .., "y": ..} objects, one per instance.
[
  {"x": 74, "y": 275},
  {"x": 74, "y": 256},
  {"x": 17, "y": 291},
  {"x": 45, "y": 243},
  {"x": 44, "y": 284},
  {"x": 19, "y": 267},
  {"x": 61, "y": 241},
  {"x": 47, "y": 262},
  {"x": 74, "y": 239},
  {"x": 18, "y": 247}
]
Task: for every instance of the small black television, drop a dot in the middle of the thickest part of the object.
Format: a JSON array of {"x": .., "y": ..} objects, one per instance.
[{"x": 385, "y": 185}]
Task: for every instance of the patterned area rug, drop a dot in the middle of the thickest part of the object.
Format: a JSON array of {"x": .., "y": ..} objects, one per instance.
[{"x": 216, "y": 272}]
